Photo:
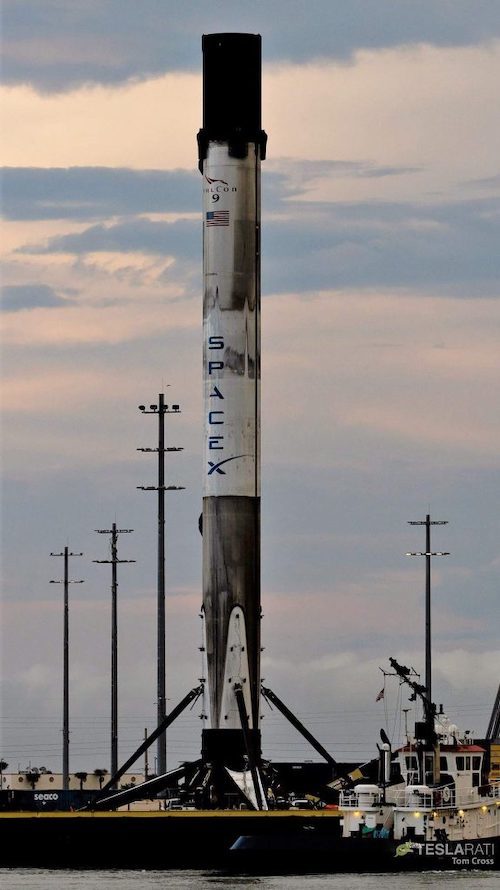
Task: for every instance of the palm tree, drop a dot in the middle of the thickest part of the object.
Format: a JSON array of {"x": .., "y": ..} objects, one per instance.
[
  {"x": 82, "y": 777},
  {"x": 100, "y": 773},
  {"x": 32, "y": 776}
]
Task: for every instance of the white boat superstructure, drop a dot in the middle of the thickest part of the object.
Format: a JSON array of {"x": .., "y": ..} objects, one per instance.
[{"x": 409, "y": 806}]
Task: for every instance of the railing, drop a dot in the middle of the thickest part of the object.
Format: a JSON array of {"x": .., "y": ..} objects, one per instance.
[
  {"x": 447, "y": 796},
  {"x": 442, "y": 797},
  {"x": 351, "y": 798},
  {"x": 494, "y": 789},
  {"x": 417, "y": 799},
  {"x": 348, "y": 799},
  {"x": 485, "y": 794}
]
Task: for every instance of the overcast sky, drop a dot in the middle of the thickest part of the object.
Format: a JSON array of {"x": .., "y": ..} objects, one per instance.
[{"x": 380, "y": 316}]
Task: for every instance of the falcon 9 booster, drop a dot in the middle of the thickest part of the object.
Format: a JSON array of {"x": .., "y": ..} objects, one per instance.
[{"x": 231, "y": 146}]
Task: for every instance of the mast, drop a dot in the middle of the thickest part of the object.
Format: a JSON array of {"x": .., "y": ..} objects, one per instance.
[{"x": 428, "y": 553}]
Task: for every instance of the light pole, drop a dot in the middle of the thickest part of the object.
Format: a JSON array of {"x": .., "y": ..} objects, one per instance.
[
  {"x": 160, "y": 410},
  {"x": 428, "y": 553},
  {"x": 66, "y": 581},
  {"x": 114, "y": 532}
]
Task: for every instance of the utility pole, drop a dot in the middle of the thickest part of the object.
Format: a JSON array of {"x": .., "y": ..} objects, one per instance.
[
  {"x": 66, "y": 581},
  {"x": 160, "y": 410},
  {"x": 114, "y": 532},
  {"x": 428, "y": 553}
]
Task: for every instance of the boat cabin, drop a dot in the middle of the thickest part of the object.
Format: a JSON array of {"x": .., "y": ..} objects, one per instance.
[{"x": 460, "y": 765}]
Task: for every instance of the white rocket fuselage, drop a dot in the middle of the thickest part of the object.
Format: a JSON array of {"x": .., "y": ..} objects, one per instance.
[
  {"x": 230, "y": 164},
  {"x": 231, "y": 518}
]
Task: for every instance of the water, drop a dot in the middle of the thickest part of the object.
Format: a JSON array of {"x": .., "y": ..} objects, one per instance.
[{"x": 48, "y": 879}]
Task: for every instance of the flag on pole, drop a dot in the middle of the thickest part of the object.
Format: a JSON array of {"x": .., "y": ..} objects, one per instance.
[{"x": 380, "y": 695}]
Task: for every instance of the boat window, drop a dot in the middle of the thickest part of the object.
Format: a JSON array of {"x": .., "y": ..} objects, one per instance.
[
  {"x": 476, "y": 763},
  {"x": 443, "y": 763},
  {"x": 475, "y": 780},
  {"x": 411, "y": 762},
  {"x": 460, "y": 763},
  {"x": 467, "y": 763}
]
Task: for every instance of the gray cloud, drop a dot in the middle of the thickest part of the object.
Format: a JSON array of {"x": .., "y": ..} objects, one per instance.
[
  {"x": 96, "y": 192},
  {"x": 80, "y": 193},
  {"x": 451, "y": 248},
  {"x": 119, "y": 40},
  {"x": 29, "y": 296},
  {"x": 182, "y": 239},
  {"x": 484, "y": 182},
  {"x": 286, "y": 177}
]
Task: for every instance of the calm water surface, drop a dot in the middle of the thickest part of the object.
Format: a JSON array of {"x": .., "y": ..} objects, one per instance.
[{"x": 47, "y": 879}]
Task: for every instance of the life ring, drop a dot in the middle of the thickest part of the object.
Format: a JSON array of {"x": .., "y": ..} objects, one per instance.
[{"x": 446, "y": 795}]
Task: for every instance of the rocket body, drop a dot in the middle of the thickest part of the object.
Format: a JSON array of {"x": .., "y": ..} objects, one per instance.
[{"x": 231, "y": 147}]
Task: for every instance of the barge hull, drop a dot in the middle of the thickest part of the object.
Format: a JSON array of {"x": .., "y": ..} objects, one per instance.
[
  {"x": 151, "y": 840},
  {"x": 276, "y": 842}
]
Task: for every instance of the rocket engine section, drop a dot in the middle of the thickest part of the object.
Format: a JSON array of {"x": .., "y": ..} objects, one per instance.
[{"x": 231, "y": 147}]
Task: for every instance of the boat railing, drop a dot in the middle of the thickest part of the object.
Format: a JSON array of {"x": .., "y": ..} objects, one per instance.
[
  {"x": 425, "y": 799},
  {"x": 359, "y": 800},
  {"x": 411, "y": 798},
  {"x": 348, "y": 799},
  {"x": 482, "y": 795},
  {"x": 446, "y": 796},
  {"x": 494, "y": 789}
]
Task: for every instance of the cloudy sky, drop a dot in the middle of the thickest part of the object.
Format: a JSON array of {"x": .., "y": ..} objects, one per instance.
[{"x": 381, "y": 226}]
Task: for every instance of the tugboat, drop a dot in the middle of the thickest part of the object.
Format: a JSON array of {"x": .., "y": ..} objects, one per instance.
[{"x": 435, "y": 805}]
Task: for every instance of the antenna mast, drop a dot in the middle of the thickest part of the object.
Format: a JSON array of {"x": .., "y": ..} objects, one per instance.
[{"x": 428, "y": 555}]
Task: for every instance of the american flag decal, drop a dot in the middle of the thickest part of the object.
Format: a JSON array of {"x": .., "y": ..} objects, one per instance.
[{"x": 217, "y": 217}]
